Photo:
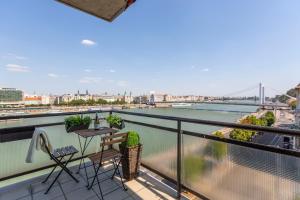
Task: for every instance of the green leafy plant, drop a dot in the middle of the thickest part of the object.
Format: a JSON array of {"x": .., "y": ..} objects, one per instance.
[
  {"x": 76, "y": 121},
  {"x": 219, "y": 134},
  {"x": 246, "y": 135},
  {"x": 242, "y": 135},
  {"x": 114, "y": 120},
  {"x": 269, "y": 118},
  {"x": 133, "y": 140}
]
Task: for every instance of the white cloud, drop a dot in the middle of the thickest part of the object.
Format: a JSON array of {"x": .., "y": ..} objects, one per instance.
[
  {"x": 12, "y": 56},
  {"x": 88, "y": 43},
  {"x": 21, "y": 58},
  {"x": 88, "y": 70},
  {"x": 112, "y": 71},
  {"x": 122, "y": 83},
  {"x": 205, "y": 70},
  {"x": 16, "y": 68},
  {"x": 90, "y": 79},
  {"x": 52, "y": 75}
]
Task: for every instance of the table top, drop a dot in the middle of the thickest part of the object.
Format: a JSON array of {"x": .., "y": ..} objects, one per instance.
[{"x": 92, "y": 132}]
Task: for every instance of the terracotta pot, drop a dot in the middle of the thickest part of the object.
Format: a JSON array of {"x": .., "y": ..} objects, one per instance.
[{"x": 131, "y": 161}]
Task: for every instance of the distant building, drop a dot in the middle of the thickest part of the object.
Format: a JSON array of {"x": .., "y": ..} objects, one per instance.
[
  {"x": 128, "y": 99},
  {"x": 66, "y": 98},
  {"x": 84, "y": 97},
  {"x": 156, "y": 97},
  {"x": 143, "y": 99},
  {"x": 36, "y": 100},
  {"x": 32, "y": 100},
  {"x": 11, "y": 96},
  {"x": 108, "y": 98},
  {"x": 45, "y": 100}
]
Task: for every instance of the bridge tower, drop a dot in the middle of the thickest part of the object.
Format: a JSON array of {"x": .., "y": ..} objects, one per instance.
[
  {"x": 260, "y": 93},
  {"x": 263, "y": 95}
]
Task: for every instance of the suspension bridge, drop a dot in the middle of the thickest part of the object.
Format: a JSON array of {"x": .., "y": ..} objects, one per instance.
[{"x": 235, "y": 98}]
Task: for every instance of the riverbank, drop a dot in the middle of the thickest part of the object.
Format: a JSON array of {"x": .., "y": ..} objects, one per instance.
[{"x": 258, "y": 114}]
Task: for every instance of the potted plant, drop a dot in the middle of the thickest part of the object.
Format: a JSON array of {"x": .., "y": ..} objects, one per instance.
[
  {"x": 115, "y": 121},
  {"x": 131, "y": 150},
  {"x": 74, "y": 123}
]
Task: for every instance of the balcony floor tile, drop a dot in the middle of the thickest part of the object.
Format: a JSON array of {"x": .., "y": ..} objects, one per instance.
[{"x": 145, "y": 187}]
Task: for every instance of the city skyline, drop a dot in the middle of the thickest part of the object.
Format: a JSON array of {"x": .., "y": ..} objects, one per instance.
[{"x": 166, "y": 53}]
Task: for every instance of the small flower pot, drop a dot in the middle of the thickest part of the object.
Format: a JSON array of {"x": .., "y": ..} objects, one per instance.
[
  {"x": 131, "y": 161},
  {"x": 119, "y": 126}
]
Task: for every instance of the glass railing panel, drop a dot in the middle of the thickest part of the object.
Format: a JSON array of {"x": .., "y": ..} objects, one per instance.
[
  {"x": 13, "y": 154},
  {"x": 225, "y": 171},
  {"x": 159, "y": 149}
]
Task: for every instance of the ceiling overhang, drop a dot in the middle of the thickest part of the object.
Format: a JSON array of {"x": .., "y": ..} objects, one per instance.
[{"x": 104, "y": 9}]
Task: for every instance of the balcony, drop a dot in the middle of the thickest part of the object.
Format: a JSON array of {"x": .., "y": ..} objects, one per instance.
[{"x": 180, "y": 158}]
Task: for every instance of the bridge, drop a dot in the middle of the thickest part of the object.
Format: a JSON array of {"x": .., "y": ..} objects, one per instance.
[{"x": 260, "y": 102}]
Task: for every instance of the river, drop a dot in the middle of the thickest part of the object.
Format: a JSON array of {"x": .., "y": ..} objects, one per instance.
[{"x": 155, "y": 141}]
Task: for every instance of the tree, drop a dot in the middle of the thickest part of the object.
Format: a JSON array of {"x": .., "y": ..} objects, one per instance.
[
  {"x": 293, "y": 105},
  {"x": 77, "y": 102},
  {"x": 102, "y": 101},
  {"x": 242, "y": 135},
  {"x": 269, "y": 118},
  {"x": 91, "y": 102}
]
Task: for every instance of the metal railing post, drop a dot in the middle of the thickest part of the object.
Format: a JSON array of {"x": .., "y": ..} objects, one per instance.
[
  {"x": 110, "y": 126},
  {"x": 179, "y": 134}
]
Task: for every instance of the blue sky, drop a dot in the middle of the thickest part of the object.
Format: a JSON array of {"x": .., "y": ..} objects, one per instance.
[{"x": 199, "y": 47}]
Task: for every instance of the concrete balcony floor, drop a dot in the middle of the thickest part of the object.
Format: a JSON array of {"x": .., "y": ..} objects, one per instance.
[{"x": 147, "y": 186}]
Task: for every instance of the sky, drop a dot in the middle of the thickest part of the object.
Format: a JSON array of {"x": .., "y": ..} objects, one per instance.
[{"x": 198, "y": 47}]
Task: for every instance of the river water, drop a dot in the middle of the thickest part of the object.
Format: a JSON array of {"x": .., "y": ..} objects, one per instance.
[{"x": 155, "y": 141}]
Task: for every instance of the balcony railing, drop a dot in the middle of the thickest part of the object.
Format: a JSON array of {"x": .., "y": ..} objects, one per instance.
[{"x": 181, "y": 150}]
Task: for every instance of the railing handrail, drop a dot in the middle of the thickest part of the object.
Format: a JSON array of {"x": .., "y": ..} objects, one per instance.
[
  {"x": 280, "y": 131},
  {"x": 26, "y": 116},
  {"x": 216, "y": 123}
]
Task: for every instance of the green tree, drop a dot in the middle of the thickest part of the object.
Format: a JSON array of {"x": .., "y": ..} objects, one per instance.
[
  {"x": 79, "y": 102},
  {"x": 269, "y": 118},
  {"x": 219, "y": 134},
  {"x": 91, "y": 102},
  {"x": 242, "y": 135},
  {"x": 293, "y": 105},
  {"x": 102, "y": 101}
]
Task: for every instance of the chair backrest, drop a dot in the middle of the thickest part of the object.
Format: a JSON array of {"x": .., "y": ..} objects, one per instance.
[
  {"x": 47, "y": 148},
  {"x": 114, "y": 139}
]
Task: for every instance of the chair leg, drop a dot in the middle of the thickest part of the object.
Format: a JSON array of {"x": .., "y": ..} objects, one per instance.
[
  {"x": 115, "y": 167},
  {"x": 96, "y": 174},
  {"x": 121, "y": 175},
  {"x": 51, "y": 172},
  {"x": 86, "y": 174},
  {"x": 64, "y": 167},
  {"x": 99, "y": 185},
  {"x": 53, "y": 181}
]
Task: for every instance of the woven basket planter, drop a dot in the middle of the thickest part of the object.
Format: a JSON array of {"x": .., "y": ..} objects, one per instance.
[{"x": 131, "y": 161}]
